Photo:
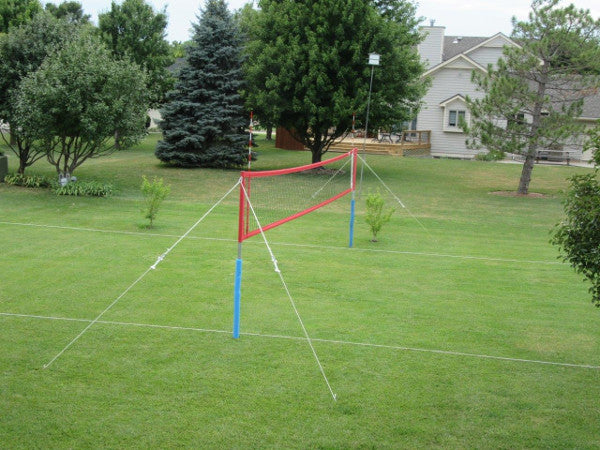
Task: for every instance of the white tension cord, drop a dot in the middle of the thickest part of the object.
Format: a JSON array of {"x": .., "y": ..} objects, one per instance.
[
  {"x": 278, "y": 271},
  {"x": 141, "y": 277}
]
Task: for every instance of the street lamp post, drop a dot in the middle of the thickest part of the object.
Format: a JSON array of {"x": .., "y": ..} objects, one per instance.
[{"x": 373, "y": 61}]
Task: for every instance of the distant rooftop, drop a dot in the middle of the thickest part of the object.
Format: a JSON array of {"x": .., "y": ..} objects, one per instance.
[{"x": 454, "y": 45}]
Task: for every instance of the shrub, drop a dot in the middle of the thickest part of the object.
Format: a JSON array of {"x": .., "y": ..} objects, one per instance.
[
  {"x": 154, "y": 193},
  {"x": 577, "y": 236},
  {"x": 83, "y": 189},
  {"x": 375, "y": 216},
  {"x": 28, "y": 181},
  {"x": 492, "y": 155}
]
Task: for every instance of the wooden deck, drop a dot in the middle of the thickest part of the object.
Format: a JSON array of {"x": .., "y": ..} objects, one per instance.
[{"x": 408, "y": 143}]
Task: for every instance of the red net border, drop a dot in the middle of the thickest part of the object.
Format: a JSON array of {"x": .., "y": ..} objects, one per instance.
[{"x": 246, "y": 176}]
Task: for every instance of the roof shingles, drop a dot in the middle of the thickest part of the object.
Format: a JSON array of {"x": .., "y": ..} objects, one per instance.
[{"x": 455, "y": 45}]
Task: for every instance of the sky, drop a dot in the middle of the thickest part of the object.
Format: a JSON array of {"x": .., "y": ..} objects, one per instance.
[{"x": 460, "y": 17}]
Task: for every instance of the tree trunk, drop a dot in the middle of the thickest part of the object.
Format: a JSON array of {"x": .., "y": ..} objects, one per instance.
[
  {"x": 269, "y": 132},
  {"x": 316, "y": 147},
  {"x": 535, "y": 124},
  {"x": 526, "y": 174},
  {"x": 316, "y": 155}
]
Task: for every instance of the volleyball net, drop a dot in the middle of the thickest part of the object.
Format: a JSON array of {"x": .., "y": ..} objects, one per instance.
[{"x": 274, "y": 197}]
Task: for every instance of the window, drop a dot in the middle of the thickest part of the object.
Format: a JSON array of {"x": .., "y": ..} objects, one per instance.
[
  {"x": 454, "y": 114},
  {"x": 409, "y": 124},
  {"x": 455, "y": 117}
]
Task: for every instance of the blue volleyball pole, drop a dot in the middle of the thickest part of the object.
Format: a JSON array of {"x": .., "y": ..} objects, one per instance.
[
  {"x": 352, "y": 206},
  {"x": 237, "y": 288},
  {"x": 237, "y": 294},
  {"x": 353, "y": 201}
]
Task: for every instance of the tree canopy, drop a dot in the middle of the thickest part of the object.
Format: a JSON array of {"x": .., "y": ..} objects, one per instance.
[
  {"x": 76, "y": 117},
  {"x": 307, "y": 65},
  {"x": 135, "y": 31},
  {"x": 17, "y": 12},
  {"x": 71, "y": 11},
  {"x": 203, "y": 118},
  {"x": 536, "y": 92},
  {"x": 22, "y": 52},
  {"x": 578, "y": 235}
]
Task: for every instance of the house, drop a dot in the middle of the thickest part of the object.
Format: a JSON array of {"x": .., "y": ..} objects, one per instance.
[{"x": 450, "y": 61}]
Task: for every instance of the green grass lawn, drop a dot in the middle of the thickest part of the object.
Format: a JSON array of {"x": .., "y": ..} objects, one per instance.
[{"x": 459, "y": 328}]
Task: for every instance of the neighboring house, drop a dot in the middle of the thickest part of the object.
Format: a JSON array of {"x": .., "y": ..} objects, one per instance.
[
  {"x": 154, "y": 114},
  {"x": 450, "y": 60},
  {"x": 590, "y": 116}
]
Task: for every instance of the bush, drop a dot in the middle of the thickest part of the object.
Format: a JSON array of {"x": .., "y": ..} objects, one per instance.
[
  {"x": 84, "y": 189},
  {"x": 28, "y": 181},
  {"x": 577, "y": 236},
  {"x": 492, "y": 155}
]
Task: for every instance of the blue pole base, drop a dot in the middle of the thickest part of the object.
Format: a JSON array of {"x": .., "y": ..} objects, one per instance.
[
  {"x": 352, "y": 206},
  {"x": 237, "y": 295}
]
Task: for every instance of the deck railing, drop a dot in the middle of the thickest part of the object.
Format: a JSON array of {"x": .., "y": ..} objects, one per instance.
[
  {"x": 407, "y": 137},
  {"x": 405, "y": 143}
]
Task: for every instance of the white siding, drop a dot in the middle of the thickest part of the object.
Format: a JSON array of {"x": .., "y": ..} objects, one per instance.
[
  {"x": 155, "y": 117},
  {"x": 486, "y": 55},
  {"x": 445, "y": 84},
  {"x": 459, "y": 62},
  {"x": 431, "y": 48}
]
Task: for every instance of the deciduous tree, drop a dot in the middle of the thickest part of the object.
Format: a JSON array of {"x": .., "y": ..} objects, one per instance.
[
  {"x": 135, "y": 31},
  {"x": 578, "y": 235},
  {"x": 71, "y": 11},
  {"x": 76, "y": 101},
  {"x": 22, "y": 51},
  {"x": 17, "y": 12},
  {"x": 308, "y": 67}
]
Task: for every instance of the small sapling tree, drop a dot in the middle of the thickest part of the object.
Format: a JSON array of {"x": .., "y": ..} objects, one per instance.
[
  {"x": 376, "y": 216},
  {"x": 154, "y": 193}
]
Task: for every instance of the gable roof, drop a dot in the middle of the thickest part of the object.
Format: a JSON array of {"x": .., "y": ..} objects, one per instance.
[
  {"x": 458, "y": 47},
  {"x": 458, "y": 58},
  {"x": 454, "y": 45},
  {"x": 451, "y": 99}
]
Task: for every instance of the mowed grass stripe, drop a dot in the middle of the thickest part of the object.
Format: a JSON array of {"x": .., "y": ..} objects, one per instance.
[
  {"x": 302, "y": 338},
  {"x": 287, "y": 244}
]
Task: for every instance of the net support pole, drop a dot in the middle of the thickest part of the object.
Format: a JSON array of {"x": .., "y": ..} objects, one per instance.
[
  {"x": 237, "y": 287},
  {"x": 237, "y": 294},
  {"x": 352, "y": 206},
  {"x": 353, "y": 200}
]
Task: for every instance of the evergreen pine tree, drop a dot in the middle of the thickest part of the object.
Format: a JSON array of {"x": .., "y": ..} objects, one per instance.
[{"x": 203, "y": 118}]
